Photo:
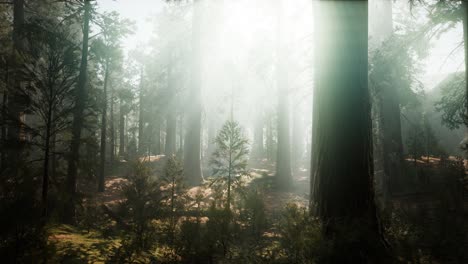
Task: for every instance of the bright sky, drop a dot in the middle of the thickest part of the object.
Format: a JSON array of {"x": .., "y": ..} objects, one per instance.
[{"x": 442, "y": 59}]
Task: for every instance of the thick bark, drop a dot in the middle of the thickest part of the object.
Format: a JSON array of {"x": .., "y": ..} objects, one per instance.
[
  {"x": 343, "y": 168},
  {"x": 102, "y": 165},
  {"x": 78, "y": 118},
  {"x": 192, "y": 162},
  {"x": 283, "y": 151}
]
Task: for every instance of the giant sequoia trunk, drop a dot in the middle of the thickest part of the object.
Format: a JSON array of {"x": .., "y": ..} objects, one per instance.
[
  {"x": 192, "y": 163},
  {"x": 78, "y": 118},
  {"x": 342, "y": 167},
  {"x": 283, "y": 151},
  {"x": 102, "y": 165}
]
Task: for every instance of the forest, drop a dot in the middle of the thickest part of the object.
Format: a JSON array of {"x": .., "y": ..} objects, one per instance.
[{"x": 233, "y": 131}]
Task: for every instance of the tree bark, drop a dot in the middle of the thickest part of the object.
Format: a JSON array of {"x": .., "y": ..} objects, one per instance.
[
  {"x": 45, "y": 175},
  {"x": 78, "y": 118},
  {"x": 15, "y": 104},
  {"x": 171, "y": 117},
  {"x": 343, "y": 168},
  {"x": 192, "y": 162},
  {"x": 141, "y": 119},
  {"x": 102, "y": 165},
  {"x": 283, "y": 151},
  {"x": 157, "y": 136},
  {"x": 112, "y": 128},
  {"x": 465, "y": 39},
  {"x": 121, "y": 130}
]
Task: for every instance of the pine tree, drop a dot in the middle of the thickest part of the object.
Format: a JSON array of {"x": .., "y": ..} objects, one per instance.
[{"x": 229, "y": 160}]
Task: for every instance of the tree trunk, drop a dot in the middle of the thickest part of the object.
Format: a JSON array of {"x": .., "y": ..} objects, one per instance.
[
  {"x": 157, "y": 136},
  {"x": 388, "y": 112},
  {"x": 171, "y": 117},
  {"x": 181, "y": 135},
  {"x": 141, "y": 119},
  {"x": 78, "y": 118},
  {"x": 45, "y": 175},
  {"x": 192, "y": 163},
  {"x": 102, "y": 165},
  {"x": 343, "y": 168},
  {"x": 171, "y": 122},
  {"x": 283, "y": 151},
  {"x": 258, "y": 138},
  {"x": 465, "y": 39},
  {"x": 15, "y": 105},
  {"x": 121, "y": 130},
  {"x": 4, "y": 118},
  {"x": 112, "y": 128}
]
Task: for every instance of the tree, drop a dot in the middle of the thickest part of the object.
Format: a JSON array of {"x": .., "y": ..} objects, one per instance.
[
  {"x": 192, "y": 152},
  {"x": 54, "y": 74},
  {"x": 108, "y": 50},
  {"x": 283, "y": 151},
  {"x": 229, "y": 160},
  {"x": 342, "y": 170},
  {"x": 78, "y": 117},
  {"x": 173, "y": 176}
]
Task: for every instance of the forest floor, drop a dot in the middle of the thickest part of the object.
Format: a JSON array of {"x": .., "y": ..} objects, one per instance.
[{"x": 94, "y": 246}]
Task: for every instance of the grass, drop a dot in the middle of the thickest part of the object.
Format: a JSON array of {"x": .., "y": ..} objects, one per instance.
[{"x": 73, "y": 245}]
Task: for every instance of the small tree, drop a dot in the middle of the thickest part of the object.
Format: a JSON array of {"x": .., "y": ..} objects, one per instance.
[
  {"x": 229, "y": 160},
  {"x": 142, "y": 204},
  {"x": 173, "y": 176}
]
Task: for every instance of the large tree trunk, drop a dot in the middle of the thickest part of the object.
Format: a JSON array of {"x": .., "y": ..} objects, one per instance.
[
  {"x": 389, "y": 147},
  {"x": 192, "y": 163},
  {"x": 102, "y": 165},
  {"x": 343, "y": 168},
  {"x": 14, "y": 102},
  {"x": 283, "y": 151},
  {"x": 78, "y": 118}
]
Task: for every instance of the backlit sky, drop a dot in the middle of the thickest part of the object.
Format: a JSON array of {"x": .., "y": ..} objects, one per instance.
[{"x": 440, "y": 62}]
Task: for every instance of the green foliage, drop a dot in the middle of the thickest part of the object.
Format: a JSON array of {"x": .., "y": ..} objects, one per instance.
[
  {"x": 253, "y": 212},
  {"x": 143, "y": 197},
  {"x": 422, "y": 140},
  {"x": 229, "y": 160},
  {"x": 452, "y": 105},
  {"x": 301, "y": 237}
]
